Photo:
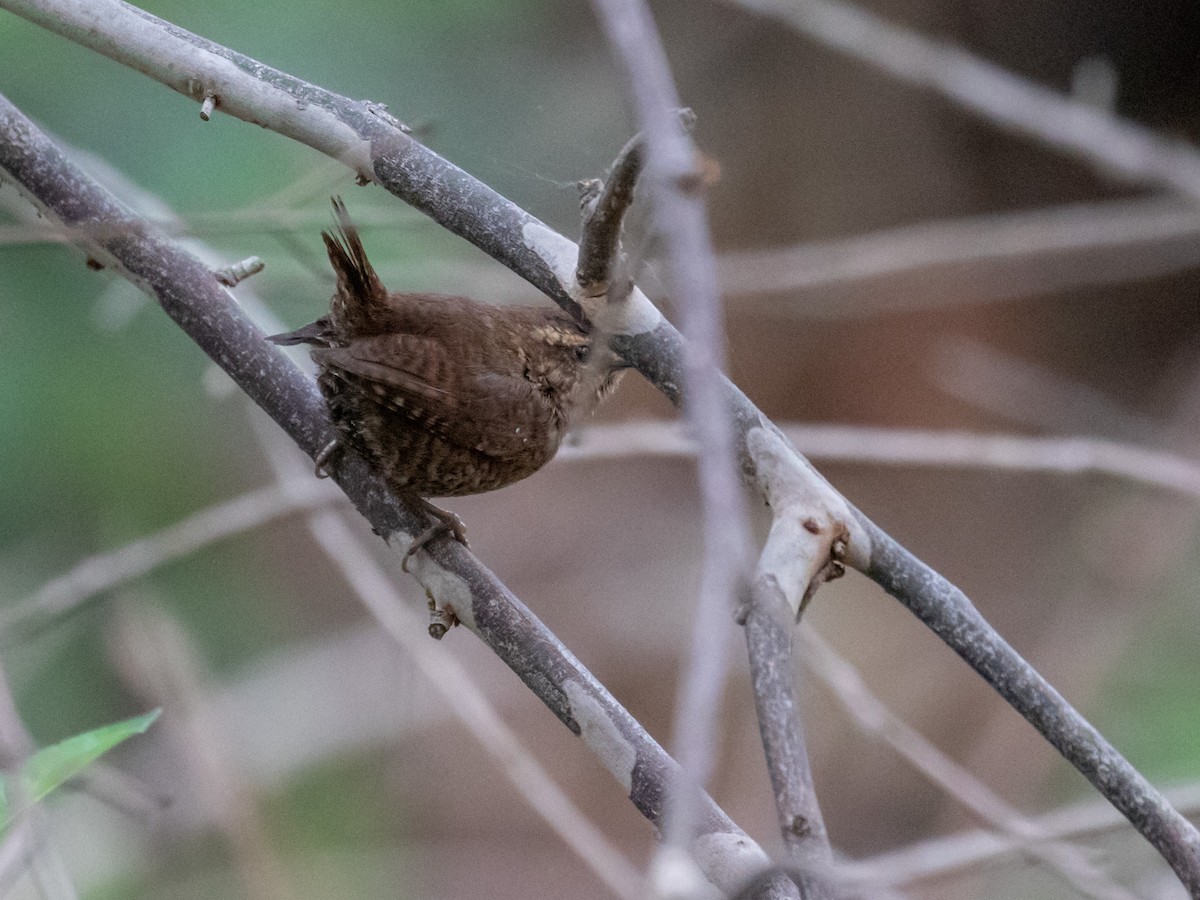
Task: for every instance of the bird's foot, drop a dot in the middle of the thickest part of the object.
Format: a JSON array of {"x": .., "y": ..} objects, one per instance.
[
  {"x": 447, "y": 523},
  {"x": 324, "y": 456}
]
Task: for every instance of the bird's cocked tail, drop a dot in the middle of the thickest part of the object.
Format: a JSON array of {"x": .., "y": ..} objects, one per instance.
[{"x": 360, "y": 300}]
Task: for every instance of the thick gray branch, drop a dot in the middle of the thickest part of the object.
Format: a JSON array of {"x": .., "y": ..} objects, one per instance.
[{"x": 770, "y": 626}]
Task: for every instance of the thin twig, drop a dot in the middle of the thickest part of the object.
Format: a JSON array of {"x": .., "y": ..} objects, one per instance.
[
  {"x": 261, "y": 218},
  {"x": 1105, "y": 141},
  {"x": 675, "y": 190},
  {"x": 980, "y": 259},
  {"x": 869, "y": 445},
  {"x": 602, "y": 268},
  {"x": 957, "y": 853},
  {"x": 1033, "y": 394},
  {"x": 871, "y": 715},
  {"x": 604, "y": 206},
  {"x": 104, "y": 571}
]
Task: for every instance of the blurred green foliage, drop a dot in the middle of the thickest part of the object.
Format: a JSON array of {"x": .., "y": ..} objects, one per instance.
[{"x": 51, "y": 767}]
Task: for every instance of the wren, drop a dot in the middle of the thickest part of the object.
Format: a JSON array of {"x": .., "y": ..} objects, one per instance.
[{"x": 446, "y": 396}]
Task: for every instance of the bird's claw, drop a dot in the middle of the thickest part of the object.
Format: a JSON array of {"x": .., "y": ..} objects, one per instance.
[
  {"x": 448, "y": 523},
  {"x": 323, "y": 457}
]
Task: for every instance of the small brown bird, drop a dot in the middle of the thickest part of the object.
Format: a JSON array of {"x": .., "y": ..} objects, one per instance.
[{"x": 445, "y": 396}]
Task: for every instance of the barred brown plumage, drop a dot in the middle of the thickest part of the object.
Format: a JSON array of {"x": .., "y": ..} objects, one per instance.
[{"x": 446, "y": 396}]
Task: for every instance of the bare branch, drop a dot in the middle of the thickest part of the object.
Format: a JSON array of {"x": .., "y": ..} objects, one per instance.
[
  {"x": 1109, "y": 143},
  {"x": 157, "y": 659},
  {"x": 953, "y": 262},
  {"x": 604, "y": 206},
  {"x": 770, "y": 626},
  {"x": 375, "y": 147},
  {"x": 915, "y": 447},
  {"x": 105, "y": 571},
  {"x": 264, "y": 217},
  {"x": 980, "y": 259},
  {"x": 872, "y": 716},
  {"x": 940, "y": 857},
  {"x": 1033, "y": 394},
  {"x": 680, "y": 217},
  {"x": 464, "y": 700},
  {"x": 948, "y": 612},
  {"x": 602, "y": 268},
  {"x": 810, "y": 530},
  {"x": 472, "y": 708}
]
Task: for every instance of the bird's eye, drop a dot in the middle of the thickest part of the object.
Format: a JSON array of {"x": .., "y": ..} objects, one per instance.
[{"x": 583, "y": 352}]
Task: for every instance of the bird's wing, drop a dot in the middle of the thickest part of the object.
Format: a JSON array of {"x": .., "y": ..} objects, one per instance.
[{"x": 414, "y": 377}]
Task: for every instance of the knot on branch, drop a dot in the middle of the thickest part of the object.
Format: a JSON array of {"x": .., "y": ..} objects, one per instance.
[
  {"x": 814, "y": 533},
  {"x": 833, "y": 567},
  {"x": 799, "y": 826}
]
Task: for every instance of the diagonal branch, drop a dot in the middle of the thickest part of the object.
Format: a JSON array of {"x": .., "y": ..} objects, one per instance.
[
  {"x": 102, "y": 572},
  {"x": 449, "y": 678},
  {"x": 955, "y": 854},
  {"x": 477, "y": 715},
  {"x": 873, "y": 717},
  {"x": 376, "y": 148},
  {"x": 913, "y": 447}
]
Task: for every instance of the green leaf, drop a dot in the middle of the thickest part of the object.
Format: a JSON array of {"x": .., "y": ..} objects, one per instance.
[{"x": 51, "y": 766}]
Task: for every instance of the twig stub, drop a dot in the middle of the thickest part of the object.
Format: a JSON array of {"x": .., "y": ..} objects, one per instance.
[
  {"x": 814, "y": 533},
  {"x": 601, "y": 268},
  {"x": 230, "y": 276},
  {"x": 208, "y": 106}
]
